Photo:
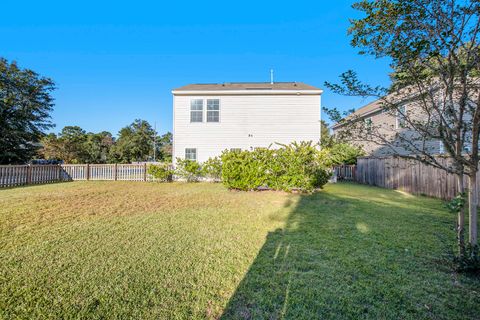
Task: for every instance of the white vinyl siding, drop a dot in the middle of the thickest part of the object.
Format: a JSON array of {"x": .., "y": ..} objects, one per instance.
[
  {"x": 191, "y": 154},
  {"x": 246, "y": 122},
  {"x": 196, "y": 110},
  {"x": 213, "y": 110}
]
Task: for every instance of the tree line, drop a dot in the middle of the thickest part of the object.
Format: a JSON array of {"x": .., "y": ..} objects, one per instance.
[{"x": 135, "y": 143}]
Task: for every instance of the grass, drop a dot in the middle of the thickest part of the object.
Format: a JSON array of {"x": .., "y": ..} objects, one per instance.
[{"x": 179, "y": 251}]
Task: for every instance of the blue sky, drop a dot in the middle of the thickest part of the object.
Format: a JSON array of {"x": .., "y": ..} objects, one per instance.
[{"x": 116, "y": 61}]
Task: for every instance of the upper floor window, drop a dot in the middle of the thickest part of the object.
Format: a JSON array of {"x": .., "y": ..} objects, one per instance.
[
  {"x": 196, "y": 110},
  {"x": 213, "y": 110},
  {"x": 368, "y": 123},
  {"x": 401, "y": 114},
  {"x": 191, "y": 154}
]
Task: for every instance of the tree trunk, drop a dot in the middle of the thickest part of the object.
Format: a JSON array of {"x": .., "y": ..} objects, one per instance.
[
  {"x": 472, "y": 208},
  {"x": 461, "y": 220}
]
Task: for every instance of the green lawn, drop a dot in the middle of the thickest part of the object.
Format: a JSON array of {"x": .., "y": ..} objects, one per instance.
[{"x": 179, "y": 251}]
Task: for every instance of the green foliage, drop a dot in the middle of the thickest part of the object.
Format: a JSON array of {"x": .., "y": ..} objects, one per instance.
[
  {"x": 457, "y": 203},
  {"x": 291, "y": 167},
  {"x": 74, "y": 145},
  {"x": 189, "y": 170},
  {"x": 212, "y": 168},
  {"x": 161, "y": 172},
  {"x": 135, "y": 142},
  {"x": 164, "y": 147},
  {"x": 344, "y": 153},
  {"x": 25, "y": 106},
  {"x": 245, "y": 170},
  {"x": 470, "y": 262}
]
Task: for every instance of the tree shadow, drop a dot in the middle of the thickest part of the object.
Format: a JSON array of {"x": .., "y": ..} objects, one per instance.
[{"x": 341, "y": 257}]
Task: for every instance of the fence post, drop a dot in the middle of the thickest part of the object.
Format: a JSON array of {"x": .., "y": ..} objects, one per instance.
[
  {"x": 59, "y": 172},
  {"x": 144, "y": 172},
  {"x": 29, "y": 174},
  {"x": 88, "y": 171},
  {"x": 115, "y": 172}
]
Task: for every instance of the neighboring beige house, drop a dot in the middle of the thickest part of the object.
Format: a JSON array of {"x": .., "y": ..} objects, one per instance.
[
  {"x": 389, "y": 125},
  {"x": 210, "y": 118}
]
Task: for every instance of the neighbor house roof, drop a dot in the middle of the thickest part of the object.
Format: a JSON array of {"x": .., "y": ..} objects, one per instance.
[
  {"x": 248, "y": 88},
  {"x": 372, "y": 107}
]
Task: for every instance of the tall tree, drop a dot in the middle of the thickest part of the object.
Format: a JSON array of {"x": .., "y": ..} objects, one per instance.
[
  {"x": 135, "y": 142},
  {"x": 164, "y": 145},
  {"x": 326, "y": 139},
  {"x": 25, "y": 106},
  {"x": 97, "y": 147},
  {"x": 434, "y": 52}
]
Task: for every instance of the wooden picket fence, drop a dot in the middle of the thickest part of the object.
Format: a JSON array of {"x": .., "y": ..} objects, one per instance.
[
  {"x": 408, "y": 175},
  {"x": 18, "y": 175}
]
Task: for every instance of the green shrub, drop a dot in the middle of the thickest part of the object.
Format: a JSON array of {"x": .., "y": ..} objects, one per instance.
[
  {"x": 244, "y": 170},
  {"x": 162, "y": 172},
  {"x": 212, "y": 168},
  {"x": 343, "y": 153},
  {"x": 188, "y": 170},
  {"x": 292, "y": 167}
]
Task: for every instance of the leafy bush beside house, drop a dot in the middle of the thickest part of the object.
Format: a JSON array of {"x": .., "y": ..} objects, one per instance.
[
  {"x": 212, "y": 169},
  {"x": 188, "y": 170},
  {"x": 292, "y": 167}
]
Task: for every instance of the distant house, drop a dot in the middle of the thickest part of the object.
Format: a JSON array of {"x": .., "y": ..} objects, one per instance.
[
  {"x": 374, "y": 115},
  {"x": 210, "y": 118}
]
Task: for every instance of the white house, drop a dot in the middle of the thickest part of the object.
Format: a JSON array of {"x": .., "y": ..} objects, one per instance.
[{"x": 209, "y": 118}]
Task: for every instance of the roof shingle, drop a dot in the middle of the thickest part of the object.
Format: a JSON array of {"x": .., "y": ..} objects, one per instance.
[{"x": 247, "y": 86}]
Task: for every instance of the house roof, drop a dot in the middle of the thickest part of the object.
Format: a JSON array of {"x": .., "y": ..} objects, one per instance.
[
  {"x": 244, "y": 86},
  {"x": 367, "y": 109}
]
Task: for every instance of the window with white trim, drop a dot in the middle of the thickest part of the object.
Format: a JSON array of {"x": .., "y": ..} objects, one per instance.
[
  {"x": 191, "y": 154},
  {"x": 196, "y": 110},
  {"x": 213, "y": 110}
]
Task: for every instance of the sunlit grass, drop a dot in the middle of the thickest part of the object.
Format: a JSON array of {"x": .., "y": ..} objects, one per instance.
[{"x": 181, "y": 251}]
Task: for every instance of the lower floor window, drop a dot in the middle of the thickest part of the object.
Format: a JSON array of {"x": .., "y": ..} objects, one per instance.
[
  {"x": 236, "y": 149},
  {"x": 191, "y": 154}
]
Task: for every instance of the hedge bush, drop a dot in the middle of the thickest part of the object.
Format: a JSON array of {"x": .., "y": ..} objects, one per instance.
[
  {"x": 189, "y": 170},
  {"x": 161, "y": 172},
  {"x": 212, "y": 169},
  {"x": 297, "y": 166}
]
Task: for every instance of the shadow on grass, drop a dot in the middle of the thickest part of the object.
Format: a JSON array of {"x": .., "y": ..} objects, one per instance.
[{"x": 345, "y": 258}]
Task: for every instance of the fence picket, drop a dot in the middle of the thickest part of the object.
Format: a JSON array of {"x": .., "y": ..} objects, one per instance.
[
  {"x": 16, "y": 175},
  {"x": 408, "y": 175}
]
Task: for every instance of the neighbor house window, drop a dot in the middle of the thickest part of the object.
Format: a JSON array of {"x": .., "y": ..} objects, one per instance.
[
  {"x": 368, "y": 123},
  {"x": 213, "y": 110},
  {"x": 401, "y": 117},
  {"x": 236, "y": 149},
  {"x": 191, "y": 154},
  {"x": 196, "y": 110}
]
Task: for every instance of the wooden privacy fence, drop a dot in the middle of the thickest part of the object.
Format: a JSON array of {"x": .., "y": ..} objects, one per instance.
[
  {"x": 16, "y": 175},
  {"x": 345, "y": 172},
  {"x": 408, "y": 175}
]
